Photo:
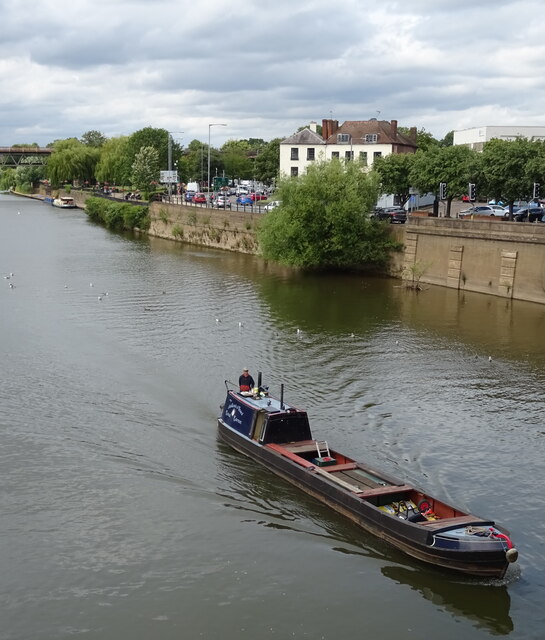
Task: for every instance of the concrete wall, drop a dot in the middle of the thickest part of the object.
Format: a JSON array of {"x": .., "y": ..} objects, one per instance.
[
  {"x": 234, "y": 231},
  {"x": 487, "y": 256}
]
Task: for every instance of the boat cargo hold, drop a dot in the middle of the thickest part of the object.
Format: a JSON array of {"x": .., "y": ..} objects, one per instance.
[{"x": 278, "y": 436}]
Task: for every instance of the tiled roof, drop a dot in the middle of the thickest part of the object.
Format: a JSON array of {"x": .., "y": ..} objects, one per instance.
[
  {"x": 358, "y": 129},
  {"x": 305, "y": 136}
]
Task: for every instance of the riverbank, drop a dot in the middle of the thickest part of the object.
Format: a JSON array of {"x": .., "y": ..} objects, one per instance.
[{"x": 484, "y": 255}]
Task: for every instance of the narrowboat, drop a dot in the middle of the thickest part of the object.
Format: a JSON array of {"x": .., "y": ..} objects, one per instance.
[{"x": 278, "y": 436}]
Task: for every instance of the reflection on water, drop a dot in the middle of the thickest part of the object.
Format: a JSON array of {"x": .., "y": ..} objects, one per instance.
[{"x": 487, "y": 606}]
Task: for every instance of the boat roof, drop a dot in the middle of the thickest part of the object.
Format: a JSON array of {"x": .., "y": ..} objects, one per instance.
[{"x": 264, "y": 403}]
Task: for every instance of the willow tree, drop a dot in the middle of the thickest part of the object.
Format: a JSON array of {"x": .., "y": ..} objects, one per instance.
[
  {"x": 323, "y": 221},
  {"x": 71, "y": 160}
]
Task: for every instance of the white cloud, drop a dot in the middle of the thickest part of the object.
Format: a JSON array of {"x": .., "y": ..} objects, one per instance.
[{"x": 265, "y": 67}]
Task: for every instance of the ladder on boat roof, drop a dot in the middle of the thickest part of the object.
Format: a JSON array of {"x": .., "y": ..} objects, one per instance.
[{"x": 323, "y": 449}]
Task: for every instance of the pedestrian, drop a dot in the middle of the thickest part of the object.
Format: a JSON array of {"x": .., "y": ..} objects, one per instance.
[{"x": 246, "y": 382}]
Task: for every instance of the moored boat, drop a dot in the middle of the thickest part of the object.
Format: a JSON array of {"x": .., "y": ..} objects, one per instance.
[
  {"x": 64, "y": 202},
  {"x": 278, "y": 436}
]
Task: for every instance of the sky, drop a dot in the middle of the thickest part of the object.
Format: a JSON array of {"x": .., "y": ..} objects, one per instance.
[{"x": 265, "y": 68}]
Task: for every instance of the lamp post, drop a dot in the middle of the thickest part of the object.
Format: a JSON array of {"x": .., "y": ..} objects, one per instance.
[
  {"x": 213, "y": 124},
  {"x": 169, "y": 159}
]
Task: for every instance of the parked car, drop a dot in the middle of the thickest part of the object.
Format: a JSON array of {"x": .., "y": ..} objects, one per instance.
[
  {"x": 189, "y": 196},
  {"x": 199, "y": 198},
  {"x": 528, "y": 214},
  {"x": 257, "y": 196},
  {"x": 272, "y": 205},
  {"x": 223, "y": 202},
  {"x": 244, "y": 200},
  {"x": 483, "y": 210},
  {"x": 395, "y": 215}
]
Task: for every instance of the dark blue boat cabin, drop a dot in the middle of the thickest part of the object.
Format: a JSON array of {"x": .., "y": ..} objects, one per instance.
[{"x": 264, "y": 419}]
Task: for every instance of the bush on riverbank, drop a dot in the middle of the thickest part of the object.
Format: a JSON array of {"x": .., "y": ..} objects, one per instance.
[
  {"x": 117, "y": 215},
  {"x": 323, "y": 221}
]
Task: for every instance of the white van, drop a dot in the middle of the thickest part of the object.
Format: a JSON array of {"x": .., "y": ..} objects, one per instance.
[{"x": 193, "y": 186}]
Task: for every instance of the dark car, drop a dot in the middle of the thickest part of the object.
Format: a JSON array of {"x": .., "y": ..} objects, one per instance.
[
  {"x": 394, "y": 215},
  {"x": 528, "y": 214},
  {"x": 244, "y": 200}
]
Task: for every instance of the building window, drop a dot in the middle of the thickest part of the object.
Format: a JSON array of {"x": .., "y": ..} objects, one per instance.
[
  {"x": 294, "y": 172},
  {"x": 348, "y": 155},
  {"x": 310, "y": 153},
  {"x": 294, "y": 153},
  {"x": 335, "y": 154},
  {"x": 363, "y": 157},
  {"x": 376, "y": 154},
  {"x": 343, "y": 138},
  {"x": 371, "y": 137}
]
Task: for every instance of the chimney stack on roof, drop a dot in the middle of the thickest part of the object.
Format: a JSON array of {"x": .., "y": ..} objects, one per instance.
[
  {"x": 329, "y": 127},
  {"x": 394, "y": 129},
  {"x": 313, "y": 126}
]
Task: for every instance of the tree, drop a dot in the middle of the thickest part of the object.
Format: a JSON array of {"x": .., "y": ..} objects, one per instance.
[
  {"x": 71, "y": 160},
  {"x": 267, "y": 163},
  {"x": 424, "y": 139},
  {"x": 145, "y": 168},
  {"x": 236, "y": 161},
  {"x": 456, "y": 166},
  {"x": 448, "y": 140},
  {"x": 156, "y": 138},
  {"x": 394, "y": 172},
  {"x": 323, "y": 221},
  {"x": 93, "y": 138},
  {"x": 192, "y": 164},
  {"x": 113, "y": 165},
  {"x": 509, "y": 169}
]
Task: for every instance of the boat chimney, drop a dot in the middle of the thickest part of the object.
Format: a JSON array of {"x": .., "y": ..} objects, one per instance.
[
  {"x": 282, "y": 397},
  {"x": 259, "y": 379}
]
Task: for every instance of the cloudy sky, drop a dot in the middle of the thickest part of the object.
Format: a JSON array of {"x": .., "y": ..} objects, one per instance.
[{"x": 265, "y": 67}]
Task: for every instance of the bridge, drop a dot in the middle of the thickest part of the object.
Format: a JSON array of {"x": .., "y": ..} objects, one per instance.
[{"x": 24, "y": 156}]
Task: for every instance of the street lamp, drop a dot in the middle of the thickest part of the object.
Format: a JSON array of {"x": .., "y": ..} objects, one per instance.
[
  {"x": 213, "y": 124},
  {"x": 169, "y": 160}
]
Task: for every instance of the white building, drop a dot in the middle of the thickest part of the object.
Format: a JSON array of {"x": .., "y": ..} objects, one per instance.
[
  {"x": 362, "y": 140},
  {"x": 476, "y": 137}
]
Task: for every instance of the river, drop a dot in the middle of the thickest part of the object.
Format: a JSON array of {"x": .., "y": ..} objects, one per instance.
[{"x": 124, "y": 517}]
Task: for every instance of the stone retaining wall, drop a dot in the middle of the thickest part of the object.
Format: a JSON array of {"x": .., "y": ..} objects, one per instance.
[
  {"x": 222, "y": 229},
  {"x": 486, "y": 256}
]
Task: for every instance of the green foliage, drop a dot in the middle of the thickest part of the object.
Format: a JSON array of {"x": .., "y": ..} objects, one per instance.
[
  {"x": 235, "y": 158},
  {"x": 394, "y": 172},
  {"x": 30, "y": 175},
  {"x": 117, "y": 215},
  {"x": 151, "y": 137},
  {"x": 163, "y": 215},
  {"x": 70, "y": 161},
  {"x": 178, "y": 232},
  {"x": 267, "y": 163},
  {"x": 424, "y": 139},
  {"x": 192, "y": 218},
  {"x": 93, "y": 138},
  {"x": 323, "y": 221},
  {"x": 509, "y": 169},
  {"x": 448, "y": 140},
  {"x": 113, "y": 165},
  {"x": 8, "y": 179},
  {"x": 145, "y": 168},
  {"x": 456, "y": 165}
]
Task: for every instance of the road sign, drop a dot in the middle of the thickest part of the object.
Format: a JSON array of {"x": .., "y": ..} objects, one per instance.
[{"x": 168, "y": 177}]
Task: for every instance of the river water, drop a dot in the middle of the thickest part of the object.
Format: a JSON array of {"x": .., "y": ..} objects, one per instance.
[{"x": 124, "y": 517}]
